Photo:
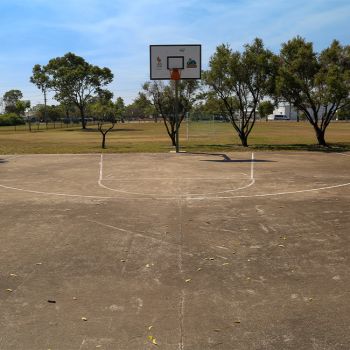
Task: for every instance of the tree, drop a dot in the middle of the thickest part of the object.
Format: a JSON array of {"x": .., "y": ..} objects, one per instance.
[
  {"x": 265, "y": 108},
  {"x": 22, "y": 106},
  {"x": 10, "y": 100},
  {"x": 76, "y": 81},
  {"x": 240, "y": 81},
  {"x": 106, "y": 113},
  {"x": 316, "y": 84},
  {"x": 208, "y": 106},
  {"x": 41, "y": 80},
  {"x": 162, "y": 98},
  {"x": 144, "y": 105},
  {"x": 120, "y": 107},
  {"x": 140, "y": 108}
]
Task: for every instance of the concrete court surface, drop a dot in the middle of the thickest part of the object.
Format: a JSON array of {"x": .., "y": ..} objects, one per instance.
[{"x": 175, "y": 251}]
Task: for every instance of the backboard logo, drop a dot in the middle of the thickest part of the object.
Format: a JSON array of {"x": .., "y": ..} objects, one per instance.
[
  {"x": 159, "y": 62},
  {"x": 191, "y": 63}
]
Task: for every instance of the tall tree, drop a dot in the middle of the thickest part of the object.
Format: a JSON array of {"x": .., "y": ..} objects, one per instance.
[
  {"x": 41, "y": 80},
  {"x": 240, "y": 81},
  {"x": 163, "y": 99},
  {"x": 316, "y": 84},
  {"x": 76, "y": 81}
]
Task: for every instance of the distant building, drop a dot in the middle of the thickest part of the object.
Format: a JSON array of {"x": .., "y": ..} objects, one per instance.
[{"x": 284, "y": 108}]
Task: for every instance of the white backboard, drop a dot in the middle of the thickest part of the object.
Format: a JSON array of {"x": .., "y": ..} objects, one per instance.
[{"x": 185, "y": 57}]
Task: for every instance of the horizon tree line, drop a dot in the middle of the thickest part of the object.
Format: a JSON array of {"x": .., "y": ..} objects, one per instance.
[{"x": 238, "y": 85}]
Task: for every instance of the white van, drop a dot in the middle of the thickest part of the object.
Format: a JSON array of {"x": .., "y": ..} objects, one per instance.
[{"x": 277, "y": 117}]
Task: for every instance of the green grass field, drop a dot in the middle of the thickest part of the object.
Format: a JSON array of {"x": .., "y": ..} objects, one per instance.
[{"x": 152, "y": 137}]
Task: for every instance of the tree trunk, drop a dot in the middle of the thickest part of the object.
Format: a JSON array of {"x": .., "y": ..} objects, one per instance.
[
  {"x": 320, "y": 136},
  {"x": 82, "y": 114},
  {"x": 244, "y": 139},
  {"x": 45, "y": 108},
  {"x": 173, "y": 138},
  {"x": 103, "y": 140}
]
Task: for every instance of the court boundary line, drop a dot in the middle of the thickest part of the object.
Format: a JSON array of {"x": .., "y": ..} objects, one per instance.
[
  {"x": 177, "y": 197},
  {"x": 252, "y": 182}
]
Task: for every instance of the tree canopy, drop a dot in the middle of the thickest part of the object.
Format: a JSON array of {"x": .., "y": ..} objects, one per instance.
[
  {"x": 162, "y": 98},
  {"x": 76, "y": 81},
  {"x": 41, "y": 80},
  {"x": 240, "y": 81},
  {"x": 13, "y": 102},
  {"x": 265, "y": 108},
  {"x": 316, "y": 84}
]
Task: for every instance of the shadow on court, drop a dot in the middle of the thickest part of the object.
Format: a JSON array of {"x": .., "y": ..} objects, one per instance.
[{"x": 227, "y": 159}]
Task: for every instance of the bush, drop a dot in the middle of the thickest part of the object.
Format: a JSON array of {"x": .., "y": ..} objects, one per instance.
[{"x": 11, "y": 119}]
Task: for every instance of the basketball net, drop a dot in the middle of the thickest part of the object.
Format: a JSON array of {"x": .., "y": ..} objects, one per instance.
[{"x": 175, "y": 74}]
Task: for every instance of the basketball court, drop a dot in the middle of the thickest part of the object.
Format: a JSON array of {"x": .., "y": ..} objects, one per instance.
[{"x": 175, "y": 251}]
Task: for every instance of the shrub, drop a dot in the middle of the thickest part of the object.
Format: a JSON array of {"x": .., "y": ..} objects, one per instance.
[{"x": 11, "y": 119}]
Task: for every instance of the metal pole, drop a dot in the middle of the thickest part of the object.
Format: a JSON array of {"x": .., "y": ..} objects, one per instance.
[{"x": 177, "y": 114}]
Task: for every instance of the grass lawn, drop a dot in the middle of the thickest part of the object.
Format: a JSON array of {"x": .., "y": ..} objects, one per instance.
[{"x": 152, "y": 137}]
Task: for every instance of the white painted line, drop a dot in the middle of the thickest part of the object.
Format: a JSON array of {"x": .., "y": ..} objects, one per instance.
[
  {"x": 188, "y": 197},
  {"x": 252, "y": 167},
  {"x": 55, "y": 193},
  {"x": 174, "y": 197},
  {"x": 176, "y": 178},
  {"x": 276, "y": 193},
  {"x": 252, "y": 182},
  {"x": 101, "y": 169},
  {"x": 180, "y": 196}
]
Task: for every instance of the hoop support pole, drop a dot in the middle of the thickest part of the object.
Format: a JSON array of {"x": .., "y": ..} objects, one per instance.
[{"x": 177, "y": 115}]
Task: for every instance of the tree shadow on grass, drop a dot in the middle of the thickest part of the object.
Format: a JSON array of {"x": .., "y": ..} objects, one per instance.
[
  {"x": 96, "y": 130},
  {"x": 336, "y": 147},
  {"x": 332, "y": 147}
]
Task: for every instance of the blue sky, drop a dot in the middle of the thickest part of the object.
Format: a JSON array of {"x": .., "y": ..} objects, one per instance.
[{"x": 117, "y": 33}]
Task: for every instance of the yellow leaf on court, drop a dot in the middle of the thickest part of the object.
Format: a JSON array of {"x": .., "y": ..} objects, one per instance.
[
  {"x": 199, "y": 268},
  {"x": 150, "y": 327},
  {"x": 84, "y": 318},
  {"x": 152, "y": 340},
  {"x": 9, "y": 290},
  {"x": 188, "y": 280}
]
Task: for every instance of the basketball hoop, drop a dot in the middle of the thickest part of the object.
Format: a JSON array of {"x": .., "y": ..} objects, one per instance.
[{"x": 175, "y": 74}]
